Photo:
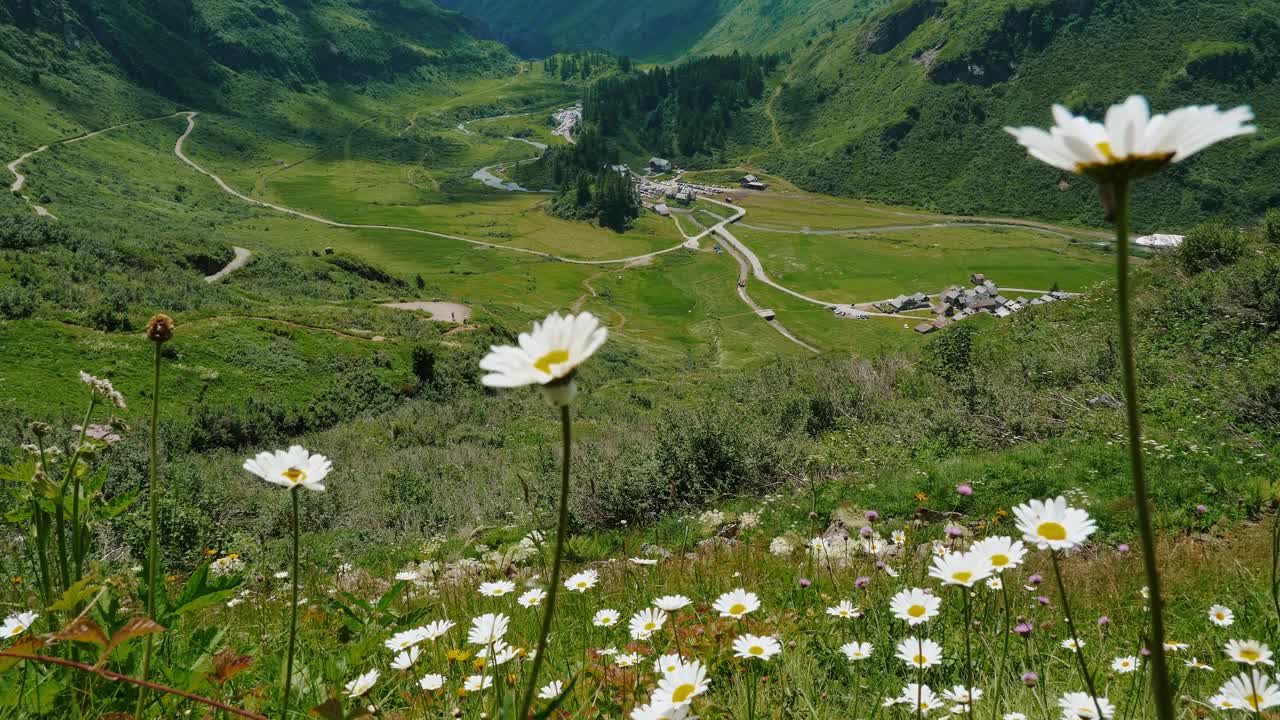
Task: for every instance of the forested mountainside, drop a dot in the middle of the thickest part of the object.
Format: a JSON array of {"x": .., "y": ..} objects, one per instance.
[
  {"x": 187, "y": 49},
  {"x": 909, "y": 106},
  {"x": 661, "y": 30}
]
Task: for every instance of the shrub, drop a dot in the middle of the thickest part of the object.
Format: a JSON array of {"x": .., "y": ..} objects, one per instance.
[
  {"x": 112, "y": 315},
  {"x": 1210, "y": 246},
  {"x": 17, "y": 303},
  {"x": 1271, "y": 226}
]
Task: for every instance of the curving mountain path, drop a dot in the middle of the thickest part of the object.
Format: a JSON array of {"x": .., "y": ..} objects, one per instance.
[{"x": 749, "y": 262}]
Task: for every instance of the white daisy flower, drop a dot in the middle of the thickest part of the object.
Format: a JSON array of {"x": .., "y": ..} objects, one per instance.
[
  {"x": 844, "y": 609},
  {"x": 655, "y": 711},
  {"x": 361, "y": 684},
  {"x": 920, "y": 697},
  {"x": 18, "y": 623},
  {"x": 546, "y": 356},
  {"x": 406, "y": 659},
  {"x": 497, "y": 589},
  {"x": 1221, "y": 616},
  {"x": 551, "y": 690},
  {"x": 487, "y": 629},
  {"x": 919, "y": 653},
  {"x": 995, "y": 583},
  {"x": 1252, "y": 691},
  {"x": 431, "y": 682},
  {"x": 623, "y": 660},
  {"x": 605, "y": 618},
  {"x": 1050, "y": 524},
  {"x": 753, "y": 646},
  {"x": 435, "y": 630},
  {"x": 962, "y": 569},
  {"x": 1131, "y": 141},
  {"x": 681, "y": 686},
  {"x": 291, "y": 468},
  {"x": 1195, "y": 664},
  {"x": 672, "y": 603},
  {"x": 857, "y": 650},
  {"x": 915, "y": 606},
  {"x": 647, "y": 622},
  {"x": 962, "y": 695},
  {"x": 476, "y": 683},
  {"x": 1248, "y": 652},
  {"x": 736, "y": 603},
  {"x": 532, "y": 598},
  {"x": 667, "y": 664},
  {"x": 583, "y": 581},
  {"x": 1072, "y": 644},
  {"x": 1080, "y": 706},
  {"x": 404, "y": 640},
  {"x": 1001, "y": 552},
  {"x": 899, "y": 537},
  {"x": 1125, "y": 665}
]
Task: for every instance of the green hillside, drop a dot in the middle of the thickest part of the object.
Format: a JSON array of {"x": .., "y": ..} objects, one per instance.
[
  {"x": 910, "y": 105},
  {"x": 663, "y": 30}
]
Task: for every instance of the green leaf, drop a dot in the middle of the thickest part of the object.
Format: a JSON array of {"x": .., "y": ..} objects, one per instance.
[
  {"x": 78, "y": 593},
  {"x": 201, "y": 591},
  {"x": 390, "y": 595},
  {"x": 117, "y": 505}
]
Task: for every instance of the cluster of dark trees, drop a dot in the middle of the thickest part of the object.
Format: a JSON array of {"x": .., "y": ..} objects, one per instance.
[
  {"x": 680, "y": 111},
  {"x": 584, "y": 64},
  {"x": 590, "y": 188}
]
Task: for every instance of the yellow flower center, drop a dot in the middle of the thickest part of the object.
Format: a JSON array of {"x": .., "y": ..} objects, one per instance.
[
  {"x": 1254, "y": 701},
  {"x": 555, "y": 357},
  {"x": 19, "y": 629},
  {"x": 999, "y": 560},
  {"x": 294, "y": 475},
  {"x": 1052, "y": 531},
  {"x": 920, "y": 660},
  {"x": 737, "y": 609},
  {"x": 1220, "y": 616},
  {"x": 916, "y": 611},
  {"x": 682, "y": 693},
  {"x": 1250, "y": 654},
  {"x": 756, "y": 650},
  {"x": 962, "y": 576},
  {"x": 650, "y": 626}
]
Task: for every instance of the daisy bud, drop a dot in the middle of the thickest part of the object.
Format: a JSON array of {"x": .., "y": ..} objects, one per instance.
[
  {"x": 1029, "y": 678},
  {"x": 160, "y": 328},
  {"x": 862, "y": 582},
  {"x": 964, "y": 490},
  {"x": 872, "y": 516}
]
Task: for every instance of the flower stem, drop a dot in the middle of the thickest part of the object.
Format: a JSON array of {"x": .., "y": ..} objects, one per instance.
[
  {"x": 968, "y": 653},
  {"x": 1075, "y": 638},
  {"x": 77, "y": 555},
  {"x": 1004, "y": 655},
  {"x": 151, "y": 547},
  {"x": 293, "y": 606},
  {"x": 1159, "y": 666},
  {"x": 562, "y": 530}
]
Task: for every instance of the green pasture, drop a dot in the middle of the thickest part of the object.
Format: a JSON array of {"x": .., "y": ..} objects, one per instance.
[{"x": 876, "y": 266}]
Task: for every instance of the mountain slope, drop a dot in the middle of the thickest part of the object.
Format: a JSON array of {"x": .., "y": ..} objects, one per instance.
[
  {"x": 188, "y": 49},
  {"x": 661, "y": 30},
  {"x": 910, "y": 106}
]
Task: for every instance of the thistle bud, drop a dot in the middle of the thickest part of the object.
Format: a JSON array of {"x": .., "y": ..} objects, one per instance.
[
  {"x": 41, "y": 429},
  {"x": 160, "y": 328}
]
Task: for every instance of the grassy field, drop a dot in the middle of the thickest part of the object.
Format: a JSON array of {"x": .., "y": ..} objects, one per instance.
[{"x": 867, "y": 267}]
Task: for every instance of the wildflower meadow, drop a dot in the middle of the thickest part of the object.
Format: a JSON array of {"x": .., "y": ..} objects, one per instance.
[{"x": 765, "y": 608}]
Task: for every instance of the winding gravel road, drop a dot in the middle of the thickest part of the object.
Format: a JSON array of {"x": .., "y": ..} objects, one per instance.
[{"x": 749, "y": 262}]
